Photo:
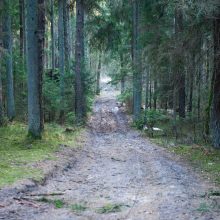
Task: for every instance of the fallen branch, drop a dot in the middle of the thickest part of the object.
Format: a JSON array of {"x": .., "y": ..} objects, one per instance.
[
  {"x": 26, "y": 201},
  {"x": 47, "y": 194}
]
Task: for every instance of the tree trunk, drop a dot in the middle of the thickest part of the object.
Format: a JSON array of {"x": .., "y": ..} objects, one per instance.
[
  {"x": 155, "y": 94},
  {"x": 1, "y": 46},
  {"x": 35, "y": 21},
  {"x": 98, "y": 75},
  {"x": 179, "y": 64},
  {"x": 7, "y": 41},
  {"x": 146, "y": 94},
  {"x": 199, "y": 91},
  {"x": 191, "y": 82},
  {"x": 52, "y": 36},
  {"x": 61, "y": 56},
  {"x": 137, "y": 76},
  {"x": 122, "y": 74},
  {"x": 41, "y": 46},
  {"x": 215, "y": 112},
  {"x": 66, "y": 34},
  {"x": 147, "y": 89},
  {"x": 79, "y": 59},
  {"x": 150, "y": 97},
  {"x": 21, "y": 11}
]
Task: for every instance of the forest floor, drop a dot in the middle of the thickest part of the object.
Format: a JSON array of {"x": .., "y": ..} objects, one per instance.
[{"x": 117, "y": 174}]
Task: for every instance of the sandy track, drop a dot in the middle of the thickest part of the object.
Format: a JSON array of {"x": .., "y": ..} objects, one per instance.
[{"x": 117, "y": 167}]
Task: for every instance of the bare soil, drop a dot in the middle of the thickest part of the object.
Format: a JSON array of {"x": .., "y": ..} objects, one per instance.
[{"x": 116, "y": 175}]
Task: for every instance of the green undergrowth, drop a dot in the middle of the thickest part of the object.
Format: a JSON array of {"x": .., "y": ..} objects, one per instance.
[
  {"x": 18, "y": 153},
  {"x": 204, "y": 157},
  {"x": 110, "y": 208},
  {"x": 78, "y": 208},
  {"x": 58, "y": 203}
]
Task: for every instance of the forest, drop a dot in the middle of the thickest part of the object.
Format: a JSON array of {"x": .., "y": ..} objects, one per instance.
[
  {"x": 162, "y": 58},
  {"x": 163, "y": 54}
]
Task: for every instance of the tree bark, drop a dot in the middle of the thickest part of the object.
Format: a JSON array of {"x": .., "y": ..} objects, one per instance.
[
  {"x": 61, "y": 6},
  {"x": 98, "y": 74},
  {"x": 215, "y": 112},
  {"x": 191, "y": 82},
  {"x": 1, "y": 47},
  {"x": 137, "y": 76},
  {"x": 52, "y": 36},
  {"x": 199, "y": 91},
  {"x": 122, "y": 73},
  {"x": 155, "y": 94},
  {"x": 7, "y": 41},
  {"x": 79, "y": 59},
  {"x": 179, "y": 64},
  {"x": 66, "y": 34},
  {"x": 35, "y": 21}
]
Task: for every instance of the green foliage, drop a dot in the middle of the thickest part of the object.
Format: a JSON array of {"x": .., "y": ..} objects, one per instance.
[
  {"x": 51, "y": 94},
  {"x": 110, "y": 208},
  {"x": 206, "y": 158},
  {"x": 70, "y": 118},
  {"x": 59, "y": 204},
  {"x": 78, "y": 208},
  {"x": 203, "y": 207},
  {"x": 150, "y": 118},
  {"x": 154, "y": 116},
  {"x": 125, "y": 96},
  {"x": 202, "y": 157},
  {"x": 18, "y": 153}
]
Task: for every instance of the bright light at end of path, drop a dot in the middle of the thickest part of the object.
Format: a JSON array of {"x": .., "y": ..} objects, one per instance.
[{"x": 105, "y": 79}]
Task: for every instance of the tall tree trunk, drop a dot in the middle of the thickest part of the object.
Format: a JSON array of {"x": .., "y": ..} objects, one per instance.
[
  {"x": 179, "y": 64},
  {"x": 52, "y": 36},
  {"x": 41, "y": 46},
  {"x": 199, "y": 91},
  {"x": 98, "y": 74},
  {"x": 155, "y": 94},
  {"x": 22, "y": 27},
  {"x": 150, "y": 95},
  {"x": 35, "y": 21},
  {"x": 61, "y": 56},
  {"x": 210, "y": 91},
  {"x": 79, "y": 59},
  {"x": 66, "y": 34},
  {"x": 146, "y": 94},
  {"x": 215, "y": 112},
  {"x": 191, "y": 82},
  {"x": 7, "y": 41},
  {"x": 122, "y": 74},
  {"x": 1, "y": 47},
  {"x": 137, "y": 76},
  {"x": 147, "y": 89}
]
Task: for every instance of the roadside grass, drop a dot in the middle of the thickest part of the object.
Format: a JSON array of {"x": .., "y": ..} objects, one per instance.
[
  {"x": 78, "y": 208},
  {"x": 110, "y": 208},
  {"x": 58, "y": 204},
  {"x": 204, "y": 157},
  {"x": 18, "y": 152},
  {"x": 203, "y": 208}
]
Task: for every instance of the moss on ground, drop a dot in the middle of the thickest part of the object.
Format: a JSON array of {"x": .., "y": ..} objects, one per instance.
[
  {"x": 206, "y": 158},
  {"x": 18, "y": 152}
]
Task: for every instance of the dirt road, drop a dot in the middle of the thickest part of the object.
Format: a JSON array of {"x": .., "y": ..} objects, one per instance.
[{"x": 117, "y": 175}]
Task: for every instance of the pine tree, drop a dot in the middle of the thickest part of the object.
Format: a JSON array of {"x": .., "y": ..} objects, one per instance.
[
  {"x": 35, "y": 21},
  {"x": 8, "y": 41}
]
